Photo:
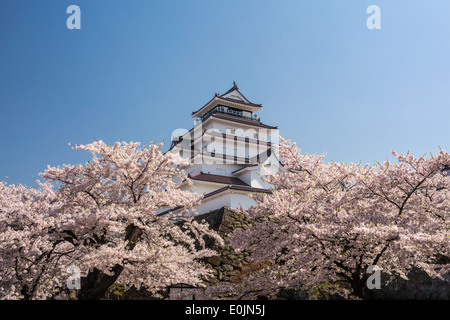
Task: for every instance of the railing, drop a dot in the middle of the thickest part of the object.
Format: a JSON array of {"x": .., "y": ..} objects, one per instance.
[{"x": 234, "y": 113}]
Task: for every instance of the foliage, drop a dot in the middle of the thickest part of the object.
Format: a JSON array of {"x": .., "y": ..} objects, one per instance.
[
  {"x": 103, "y": 218},
  {"x": 327, "y": 223}
]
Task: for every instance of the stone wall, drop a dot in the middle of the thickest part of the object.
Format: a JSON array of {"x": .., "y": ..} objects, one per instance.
[
  {"x": 229, "y": 265},
  {"x": 232, "y": 266},
  {"x": 419, "y": 287}
]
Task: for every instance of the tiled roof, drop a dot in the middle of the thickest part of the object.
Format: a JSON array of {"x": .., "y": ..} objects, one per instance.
[
  {"x": 249, "y": 122},
  {"x": 217, "y": 179},
  {"x": 218, "y": 98},
  {"x": 234, "y": 88},
  {"x": 241, "y": 102},
  {"x": 229, "y": 187},
  {"x": 244, "y": 167},
  {"x": 237, "y": 187}
]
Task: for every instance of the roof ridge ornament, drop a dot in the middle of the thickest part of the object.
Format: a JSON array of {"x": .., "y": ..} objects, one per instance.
[{"x": 233, "y": 98}]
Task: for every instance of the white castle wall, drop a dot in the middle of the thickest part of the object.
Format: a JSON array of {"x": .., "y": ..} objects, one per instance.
[{"x": 229, "y": 198}]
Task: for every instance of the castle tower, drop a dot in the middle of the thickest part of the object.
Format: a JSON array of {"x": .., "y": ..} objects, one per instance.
[{"x": 226, "y": 149}]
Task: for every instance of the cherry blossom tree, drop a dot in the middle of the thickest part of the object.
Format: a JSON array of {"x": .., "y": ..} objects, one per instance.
[
  {"x": 102, "y": 217},
  {"x": 325, "y": 224}
]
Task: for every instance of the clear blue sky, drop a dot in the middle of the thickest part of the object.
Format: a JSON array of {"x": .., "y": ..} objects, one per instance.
[{"x": 138, "y": 68}]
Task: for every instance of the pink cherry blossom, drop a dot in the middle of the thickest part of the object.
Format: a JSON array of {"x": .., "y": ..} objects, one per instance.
[
  {"x": 325, "y": 224},
  {"x": 103, "y": 218}
]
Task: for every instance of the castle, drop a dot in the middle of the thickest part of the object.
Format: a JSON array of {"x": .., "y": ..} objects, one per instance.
[{"x": 229, "y": 150}]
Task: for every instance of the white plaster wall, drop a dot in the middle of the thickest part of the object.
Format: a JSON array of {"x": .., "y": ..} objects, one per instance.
[
  {"x": 219, "y": 166},
  {"x": 257, "y": 181},
  {"x": 241, "y": 199},
  {"x": 229, "y": 199},
  {"x": 237, "y": 129},
  {"x": 209, "y": 205},
  {"x": 253, "y": 178},
  {"x": 241, "y": 130},
  {"x": 220, "y": 169},
  {"x": 244, "y": 150},
  {"x": 201, "y": 188},
  {"x": 245, "y": 176}
]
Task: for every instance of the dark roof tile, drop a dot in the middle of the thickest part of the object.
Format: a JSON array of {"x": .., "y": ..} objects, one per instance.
[
  {"x": 217, "y": 179},
  {"x": 249, "y": 122}
]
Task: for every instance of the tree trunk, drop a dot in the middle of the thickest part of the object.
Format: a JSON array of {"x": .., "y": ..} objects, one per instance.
[
  {"x": 95, "y": 285},
  {"x": 358, "y": 286}
]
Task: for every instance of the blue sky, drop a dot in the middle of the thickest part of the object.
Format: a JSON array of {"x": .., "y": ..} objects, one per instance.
[{"x": 137, "y": 69}]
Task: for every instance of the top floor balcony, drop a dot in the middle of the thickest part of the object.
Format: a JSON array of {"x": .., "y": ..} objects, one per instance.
[{"x": 241, "y": 114}]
